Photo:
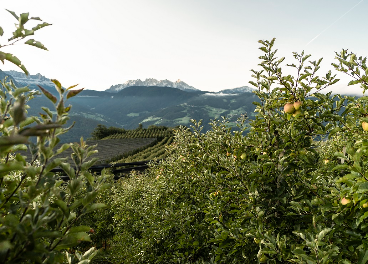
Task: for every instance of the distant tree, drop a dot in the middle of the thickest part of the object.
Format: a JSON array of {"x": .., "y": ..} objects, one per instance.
[{"x": 101, "y": 131}]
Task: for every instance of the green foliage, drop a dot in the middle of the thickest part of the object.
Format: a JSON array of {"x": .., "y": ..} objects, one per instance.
[
  {"x": 293, "y": 190},
  {"x": 39, "y": 211},
  {"x": 102, "y": 131},
  {"x": 354, "y": 66},
  {"x": 19, "y": 34}
]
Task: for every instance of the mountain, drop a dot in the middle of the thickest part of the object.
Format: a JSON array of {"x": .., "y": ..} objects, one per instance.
[
  {"x": 31, "y": 80},
  {"x": 152, "y": 82},
  {"x": 164, "y": 106},
  {"x": 4, "y": 74},
  {"x": 146, "y": 105},
  {"x": 161, "y": 106}
]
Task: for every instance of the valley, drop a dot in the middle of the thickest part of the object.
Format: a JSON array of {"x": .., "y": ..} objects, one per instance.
[{"x": 147, "y": 105}]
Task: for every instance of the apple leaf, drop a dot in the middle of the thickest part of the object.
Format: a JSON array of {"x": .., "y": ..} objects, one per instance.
[
  {"x": 71, "y": 87},
  {"x": 48, "y": 95},
  {"x": 73, "y": 93},
  {"x": 60, "y": 107},
  {"x": 1, "y": 31},
  {"x": 13, "y": 140},
  {"x": 77, "y": 229},
  {"x": 95, "y": 206},
  {"x": 58, "y": 86},
  {"x": 18, "y": 91},
  {"x": 23, "y": 18},
  {"x": 13, "y": 13},
  {"x": 2, "y": 56},
  {"x": 36, "y": 18},
  {"x": 63, "y": 206},
  {"x": 39, "y": 26},
  {"x": 35, "y": 43},
  {"x": 72, "y": 240},
  {"x": 16, "y": 34},
  {"x": 363, "y": 257},
  {"x": 27, "y": 33},
  {"x": 13, "y": 59}
]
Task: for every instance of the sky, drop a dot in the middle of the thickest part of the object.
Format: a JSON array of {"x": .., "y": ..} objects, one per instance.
[{"x": 209, "y": 44}]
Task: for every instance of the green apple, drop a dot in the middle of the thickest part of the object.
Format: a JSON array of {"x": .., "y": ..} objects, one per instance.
[
  {"x": 297, "y": 105},
  {"x": 365, "y": 205},
  {"x": 263, "y": 259},
  {"x": 365, "y": 126},
  {"x": 243, "y": 156},
  {"x": 289, "y": 108},
  {"x": 297, "y": 113}
]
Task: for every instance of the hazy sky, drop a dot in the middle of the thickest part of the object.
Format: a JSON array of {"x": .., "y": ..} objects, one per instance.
[{"x": 209, "y": 44}]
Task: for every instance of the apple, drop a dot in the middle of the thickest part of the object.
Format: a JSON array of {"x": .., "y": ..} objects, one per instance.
[
  {"x": 297, "y": 113},
  {"x": 243, "y": 156},
  {"x": 365, "y": 126},
  {"x": 345, "y": 201},
  {"x": 289, "y": 108},
  {"x": 326, "y": 161},
  {"x": 365, "y": 205},
  {"x": 297, "y": 105},
  {"x": 263, "y": 259}
]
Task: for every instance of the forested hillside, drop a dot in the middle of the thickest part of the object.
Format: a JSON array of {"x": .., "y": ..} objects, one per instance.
[{"x": 161, "y": 106}]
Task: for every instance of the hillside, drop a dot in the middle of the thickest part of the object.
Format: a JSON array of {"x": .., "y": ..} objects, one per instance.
[{"x": 146, "y": 105}]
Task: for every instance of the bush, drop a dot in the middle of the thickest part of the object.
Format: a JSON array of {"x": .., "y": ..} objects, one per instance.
[
  {"x": 38, "y": 210},
  {"x": 294, "y": 189}
]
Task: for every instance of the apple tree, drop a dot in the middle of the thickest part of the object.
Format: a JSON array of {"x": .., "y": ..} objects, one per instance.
[{"x": 38, "y": 210}]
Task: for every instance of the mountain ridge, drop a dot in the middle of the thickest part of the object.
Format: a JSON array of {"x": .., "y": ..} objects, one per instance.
[
  {"x": 146, "y": 105},
  {"x": 31, "y": 80},
  {"x": 38, "y": 79},
  {"x": 152, "y": 82}
]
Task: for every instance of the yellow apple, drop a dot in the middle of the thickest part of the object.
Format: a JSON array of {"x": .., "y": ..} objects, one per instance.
[
  {"x": 289, "y": 108},
  {"x": 243, "y": 156},
  {"x": 297, "y": 105},
  {"x": 345, "y": 201},
  {"x": 365, "y": 126},
  {"x": 365, "y": 205}
]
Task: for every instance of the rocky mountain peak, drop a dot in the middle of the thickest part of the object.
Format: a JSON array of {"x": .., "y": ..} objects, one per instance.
[{"x": 152, "y": 82}]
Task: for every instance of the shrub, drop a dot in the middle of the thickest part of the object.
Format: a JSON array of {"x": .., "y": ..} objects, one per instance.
[
  {"x": 38, "y": 210},
  {"x": 294, "y": 189}
]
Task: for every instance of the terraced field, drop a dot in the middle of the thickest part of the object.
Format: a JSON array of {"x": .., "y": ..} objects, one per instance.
[
  {"x": 126, "y": 147},
  {"x": 110, "y": 148},
  {"x": 155, "y": 152}
]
